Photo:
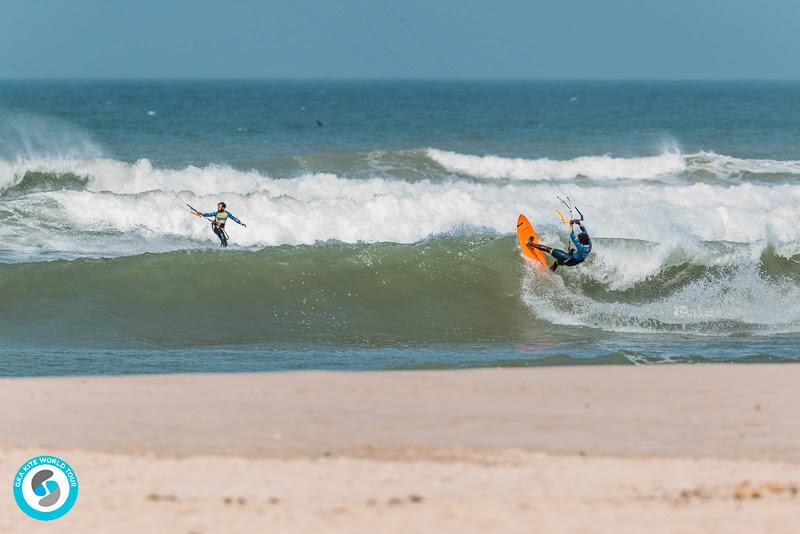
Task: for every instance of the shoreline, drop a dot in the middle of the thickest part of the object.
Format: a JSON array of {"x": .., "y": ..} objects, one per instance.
[{"x": 690, "y": 448}]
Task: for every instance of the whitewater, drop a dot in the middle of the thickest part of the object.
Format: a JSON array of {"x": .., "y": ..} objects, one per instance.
[{"x": 80, "y": 207}]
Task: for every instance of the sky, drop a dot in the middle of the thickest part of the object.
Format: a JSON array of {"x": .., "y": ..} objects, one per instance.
[{"x": 496, "y": 39}]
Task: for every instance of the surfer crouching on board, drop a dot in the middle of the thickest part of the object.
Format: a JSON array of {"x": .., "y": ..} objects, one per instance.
[
  {"x": 218, "y": 220},
  {"x": 569, "y": 257}
]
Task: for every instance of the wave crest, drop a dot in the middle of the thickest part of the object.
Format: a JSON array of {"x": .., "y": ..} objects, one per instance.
[
  {"x": 594, "y": 167},
  {"x": 670, "y": 164}
]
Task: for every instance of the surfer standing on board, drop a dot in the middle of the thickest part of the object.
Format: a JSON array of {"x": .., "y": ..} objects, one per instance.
[
  {"x": 218, "y": 220},
  {"x": 569, "y": 257}
]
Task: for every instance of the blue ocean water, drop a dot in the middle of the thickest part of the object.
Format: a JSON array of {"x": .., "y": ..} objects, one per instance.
[
  {"x": 244, "y": 123},
  {"x": 381, "y": 224}
]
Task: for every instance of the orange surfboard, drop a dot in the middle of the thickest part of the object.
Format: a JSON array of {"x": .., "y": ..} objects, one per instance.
[{"x": 524, "y": 232}]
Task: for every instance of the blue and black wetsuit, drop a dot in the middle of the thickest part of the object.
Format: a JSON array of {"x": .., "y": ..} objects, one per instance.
[
  {"x": 570, "y": 257},
  {"x": 218, "y": 224}
]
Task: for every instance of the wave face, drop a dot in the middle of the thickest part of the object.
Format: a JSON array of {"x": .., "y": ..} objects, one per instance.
[
  {"x": 431, "y": 291},
  {"x": 464, "y": 291}
]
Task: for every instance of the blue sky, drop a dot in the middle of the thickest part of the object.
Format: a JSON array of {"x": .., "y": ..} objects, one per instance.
[{"x": 608, "y": 39}]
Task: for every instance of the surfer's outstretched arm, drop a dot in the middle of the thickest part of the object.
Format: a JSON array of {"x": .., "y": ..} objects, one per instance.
[{"x": 232, "y": 217}]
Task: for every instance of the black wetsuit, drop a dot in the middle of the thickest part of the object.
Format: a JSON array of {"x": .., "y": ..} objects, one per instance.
[{"x": 220, "y": 231}]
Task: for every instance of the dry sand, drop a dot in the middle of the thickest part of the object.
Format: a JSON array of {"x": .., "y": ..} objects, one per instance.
[{"x": 590, "y": 449}]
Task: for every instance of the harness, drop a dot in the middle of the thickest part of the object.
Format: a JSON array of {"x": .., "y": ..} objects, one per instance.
[{"x": 221, "y": 218}]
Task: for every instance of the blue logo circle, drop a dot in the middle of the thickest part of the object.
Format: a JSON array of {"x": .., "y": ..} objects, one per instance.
[{"x": 45, "y": 487}]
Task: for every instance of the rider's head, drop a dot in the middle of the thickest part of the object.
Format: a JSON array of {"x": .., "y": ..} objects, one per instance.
[
  {"x": 221, "y": 206},
  {"x": 583, "y": 237}
]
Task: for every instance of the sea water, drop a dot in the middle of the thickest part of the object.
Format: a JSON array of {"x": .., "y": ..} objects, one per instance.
[{"x": 381, "y": 220}]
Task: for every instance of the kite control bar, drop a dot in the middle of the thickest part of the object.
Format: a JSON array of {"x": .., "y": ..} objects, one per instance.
[
  {"x": 579, "y": 213},
  {"x": 572, "y": 219}
]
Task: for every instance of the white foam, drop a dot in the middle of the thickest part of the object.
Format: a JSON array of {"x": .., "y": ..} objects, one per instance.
[
  {"x": 115, "y": 176},
  {"x": 723, "y": 166},
  {"x": 737, "y": 300},
  {"x": 642, "y": 229},
  {"x": 313, "y": 207},
  {"x": 596, "y": 167},
  {"x": 670, "y": 163}
]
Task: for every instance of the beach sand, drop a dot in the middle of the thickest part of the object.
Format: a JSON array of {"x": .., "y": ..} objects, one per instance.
[{"x": 668, "y": 448}]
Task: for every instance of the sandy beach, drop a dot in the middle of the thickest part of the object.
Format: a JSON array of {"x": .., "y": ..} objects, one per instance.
[{"x": 572, "y": 449}]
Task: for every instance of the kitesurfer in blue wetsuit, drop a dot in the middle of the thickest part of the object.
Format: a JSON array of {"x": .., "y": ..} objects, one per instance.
[
  {"x": 218, "y": 220},
  {"x": 570, "y": 257}
]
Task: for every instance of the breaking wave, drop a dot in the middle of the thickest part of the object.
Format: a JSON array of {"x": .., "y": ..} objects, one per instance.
[
  {"x": 670, "y": 164},
  {"x": 105, "y": 207}
]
